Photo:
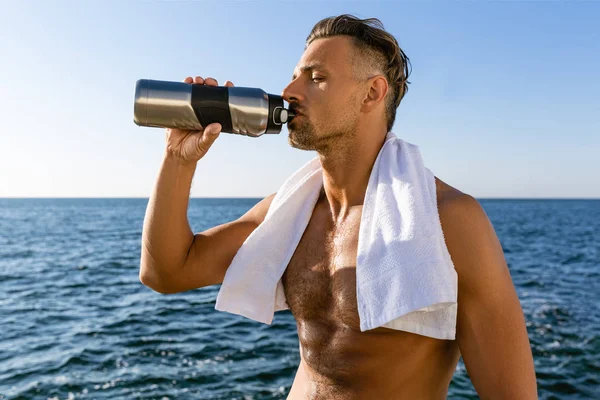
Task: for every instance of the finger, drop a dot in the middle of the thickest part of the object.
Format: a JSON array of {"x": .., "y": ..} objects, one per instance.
[
  {"x": 199, "y": 79},
  {"x": 229, "y": 84},
  {"x": 211, "y": 82},
  {"x": 188, "y": 79}
]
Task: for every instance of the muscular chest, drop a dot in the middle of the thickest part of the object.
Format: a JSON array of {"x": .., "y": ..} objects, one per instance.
[{"x": 320, "y": 280}]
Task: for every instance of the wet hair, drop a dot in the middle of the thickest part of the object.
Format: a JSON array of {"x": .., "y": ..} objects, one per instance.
[{"x": 376, "y": 51}]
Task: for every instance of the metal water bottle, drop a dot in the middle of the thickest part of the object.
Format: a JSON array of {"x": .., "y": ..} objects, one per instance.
[{"x": 240, "y": 110}]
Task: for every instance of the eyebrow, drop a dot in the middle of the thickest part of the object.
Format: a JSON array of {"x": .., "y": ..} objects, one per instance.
[{"x": 309, "y": 68}]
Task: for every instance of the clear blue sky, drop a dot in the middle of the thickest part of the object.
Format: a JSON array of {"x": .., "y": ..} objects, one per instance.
[{"x": 504, "y": 99}]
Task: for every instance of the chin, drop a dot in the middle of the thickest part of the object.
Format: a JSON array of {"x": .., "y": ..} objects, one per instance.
[
  {"x": 301, "y": 142},
  {"x": 302, "y": 135}
]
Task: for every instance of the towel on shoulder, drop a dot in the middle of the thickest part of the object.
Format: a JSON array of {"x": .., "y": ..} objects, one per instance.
[{"x": 405, "y": 278}]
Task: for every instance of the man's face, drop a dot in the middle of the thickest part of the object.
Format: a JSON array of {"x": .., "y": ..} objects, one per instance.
[{"x": 325, "y": 93}]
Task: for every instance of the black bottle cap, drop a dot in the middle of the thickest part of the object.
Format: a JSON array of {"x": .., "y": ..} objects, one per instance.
[{"x": 275, "y": 107}]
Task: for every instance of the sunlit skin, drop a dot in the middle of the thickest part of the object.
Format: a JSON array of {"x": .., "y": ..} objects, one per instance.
[
  {"x": 341, "y": 106},
  {"x": 342, "y": 117}
]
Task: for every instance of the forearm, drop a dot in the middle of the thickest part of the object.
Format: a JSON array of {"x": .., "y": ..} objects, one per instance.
[{"x": 166, "y": 236}]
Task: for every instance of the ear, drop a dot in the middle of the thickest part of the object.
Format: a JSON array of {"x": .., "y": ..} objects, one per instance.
[{"x": 377, "y": 88}]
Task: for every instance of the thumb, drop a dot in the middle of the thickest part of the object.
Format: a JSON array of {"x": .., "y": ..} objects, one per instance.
[{"x": 211, "y": 132}]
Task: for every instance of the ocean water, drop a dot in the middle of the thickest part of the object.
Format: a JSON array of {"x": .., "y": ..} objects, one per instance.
[{"x": 77, "y": 323}]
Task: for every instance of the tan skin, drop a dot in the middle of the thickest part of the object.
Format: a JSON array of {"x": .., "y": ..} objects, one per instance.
[
  {"x": 343, "y": 120},
  {"x": 338, "y": 361}
]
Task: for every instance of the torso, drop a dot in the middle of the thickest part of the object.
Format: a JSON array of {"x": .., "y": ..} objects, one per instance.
[{"x": 338, "y": 361}]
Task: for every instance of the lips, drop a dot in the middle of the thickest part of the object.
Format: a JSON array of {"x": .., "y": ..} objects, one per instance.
[{"x": 295, "y": 110}]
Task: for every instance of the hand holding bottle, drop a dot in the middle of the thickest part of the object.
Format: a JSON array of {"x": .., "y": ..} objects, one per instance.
[{"x": 189, "y": 146}]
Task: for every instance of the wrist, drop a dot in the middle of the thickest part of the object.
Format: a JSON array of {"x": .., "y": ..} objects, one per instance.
[{"x": 170, "y": 158}]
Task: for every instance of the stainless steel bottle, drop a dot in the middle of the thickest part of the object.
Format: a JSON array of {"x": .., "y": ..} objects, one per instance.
[{"x": 240, "y": 110}]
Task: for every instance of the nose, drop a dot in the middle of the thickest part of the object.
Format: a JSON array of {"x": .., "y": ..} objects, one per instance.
[{"x": 292, "y": 92}]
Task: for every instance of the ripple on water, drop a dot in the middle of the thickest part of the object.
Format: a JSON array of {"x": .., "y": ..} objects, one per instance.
[{"x": 77, "y": 323}]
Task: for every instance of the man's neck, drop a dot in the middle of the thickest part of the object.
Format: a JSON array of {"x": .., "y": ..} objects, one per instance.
[{"x": 346, "y": 171}]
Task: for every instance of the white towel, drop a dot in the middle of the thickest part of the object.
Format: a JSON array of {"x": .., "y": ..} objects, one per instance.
[{"x": 405, "y": 278}]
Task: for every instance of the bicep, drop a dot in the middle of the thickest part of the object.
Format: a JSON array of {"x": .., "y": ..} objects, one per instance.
[
  {"x": 213, "y": 250},
  {"x": 491, "y": 331}
]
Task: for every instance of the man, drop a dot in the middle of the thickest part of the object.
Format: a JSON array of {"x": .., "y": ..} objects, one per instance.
[{"x": 345, "y": 90}]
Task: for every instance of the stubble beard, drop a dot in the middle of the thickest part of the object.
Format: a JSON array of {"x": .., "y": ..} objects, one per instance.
[{"x": 302, "y": 135}]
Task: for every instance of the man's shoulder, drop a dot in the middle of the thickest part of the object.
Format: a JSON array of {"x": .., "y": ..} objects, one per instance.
[
  {"x": 465, "y": 223},
  {"x": 460, "y": 213},
  {"x": 450, "y": 197}
]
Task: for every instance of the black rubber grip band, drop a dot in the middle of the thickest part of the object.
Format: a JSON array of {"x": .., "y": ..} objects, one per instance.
[{"x": 211, "y": 104}]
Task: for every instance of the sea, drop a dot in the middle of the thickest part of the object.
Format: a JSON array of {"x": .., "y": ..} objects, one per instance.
[{"x": 76, "y": 323}]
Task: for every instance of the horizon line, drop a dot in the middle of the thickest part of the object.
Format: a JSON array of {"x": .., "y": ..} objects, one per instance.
[{"x": 239, "y": 197}]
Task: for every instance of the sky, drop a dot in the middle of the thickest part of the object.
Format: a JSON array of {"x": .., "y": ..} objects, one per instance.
[{"x": 503, "y": 100}]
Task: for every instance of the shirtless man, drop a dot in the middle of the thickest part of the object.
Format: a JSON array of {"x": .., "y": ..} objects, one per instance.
[{"x": 346, "y": 93}]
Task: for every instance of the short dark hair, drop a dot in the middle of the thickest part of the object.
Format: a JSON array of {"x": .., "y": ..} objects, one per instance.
[{"x": 377, "y": 47}]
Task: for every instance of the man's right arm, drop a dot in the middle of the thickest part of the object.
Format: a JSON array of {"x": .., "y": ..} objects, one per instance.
[{"x": 173, "y": 259}]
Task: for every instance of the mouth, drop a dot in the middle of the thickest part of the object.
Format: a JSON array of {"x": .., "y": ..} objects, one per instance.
[
  {"x": 295, "y": 110},
  {"x": 290, "y": 120},
  {"x": 296, "y": 120}
]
